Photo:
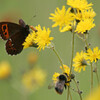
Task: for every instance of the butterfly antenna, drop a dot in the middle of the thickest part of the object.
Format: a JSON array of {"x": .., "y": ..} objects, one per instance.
[
  {"x": 32, "y": 18},
  {"x": 32, "y": 27}
]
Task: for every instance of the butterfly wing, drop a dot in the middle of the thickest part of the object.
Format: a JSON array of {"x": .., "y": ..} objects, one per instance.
[
  {"x": 7, "y": 29},
  {"x": 14, "y": 44}
]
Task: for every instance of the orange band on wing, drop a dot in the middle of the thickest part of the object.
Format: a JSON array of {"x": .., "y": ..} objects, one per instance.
[{"x": 5, "y": 31}]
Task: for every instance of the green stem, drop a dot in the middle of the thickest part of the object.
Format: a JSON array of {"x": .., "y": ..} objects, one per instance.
[
  {"x": 59, "y": 58},
  {"x": 91, "y": 76},
  {"x": 78, "y": 89},
  {"x": 72, "y": 52},
  {"x": 91, "y": 64},
  {"x": 96, "y": 71},
  {"x": 97, "y": 78},
  {"x": 86, "y": 42},
  {"x": 68, "y": 93},
  {"x": 73, "y": 34},
  {"x": 71, "y": 62}
]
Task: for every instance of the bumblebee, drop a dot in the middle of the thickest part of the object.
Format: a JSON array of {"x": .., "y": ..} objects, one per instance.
[{"x": 61, "y": 83}]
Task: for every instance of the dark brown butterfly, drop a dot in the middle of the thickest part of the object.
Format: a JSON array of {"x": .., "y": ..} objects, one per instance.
[{"x": 15, "y": 35}]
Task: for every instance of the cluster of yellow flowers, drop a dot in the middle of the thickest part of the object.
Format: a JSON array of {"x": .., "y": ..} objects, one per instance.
[
  {"x": 79, "y": 16},
  {"x": 82, "y": 59},
  {"x": 40, "y": 38},
  {"x": 33, "y": 79}
]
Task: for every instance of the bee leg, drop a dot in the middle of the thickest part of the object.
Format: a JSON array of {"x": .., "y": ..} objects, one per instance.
[{"x": 65, "y": 86}]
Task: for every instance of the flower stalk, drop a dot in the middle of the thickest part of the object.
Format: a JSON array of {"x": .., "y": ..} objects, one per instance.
[
  {"x": 97, "y": 77},
  {"x": 68, "y": 92},
  {"x": 96, "y": 72},
  {"x": 70, "y": 95},
  {"x": 78, "y": 90},
  {"x": 86, "y": 42},
  {"x": 72, "y": 51},
  {"x": 91, "y": 77},
  {"x": 90, "y": 63},
  {"x": 58, "y": 58},
  {"x": 72, "y": 55}
]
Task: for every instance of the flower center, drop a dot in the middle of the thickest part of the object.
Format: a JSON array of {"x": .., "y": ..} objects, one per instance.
[{"x": 83, "y": 62}]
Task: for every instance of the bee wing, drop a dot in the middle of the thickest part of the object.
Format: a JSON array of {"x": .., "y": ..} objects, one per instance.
[
  {"x": 50, "y": 86},
  {"x": 59, "y": 87}
]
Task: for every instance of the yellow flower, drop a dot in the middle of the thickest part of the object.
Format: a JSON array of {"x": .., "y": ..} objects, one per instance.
[
  {"x": 66, "y": 28},
  {"x": 55, "y": 77},
  {"x": 29, "y": 41},
  {"x": 62, "y": 18},
  {"x": 38, "y": 39},
  {"x": 95, "y": 95},
  {"x": 5, "y": 70},
  {"x": 84, "y": 25},
  {"x": 33, "y": 79},
  {"x": 93, "y": 55},
  {"x": 42, "y": 38},
  {"x": 88, "y": 14},
  {"x": 58, "y": 17},
  {"x": 66, "y": 69},
  {"x": 80, "y": 61},
  {"x": 66, "y": 72},
  {"x": 79, "y": 4},
  {"x": 85, "y": 14},
  {"x": 78, "y": 15}
]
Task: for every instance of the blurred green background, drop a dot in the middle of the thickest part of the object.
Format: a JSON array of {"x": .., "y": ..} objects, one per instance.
[{"x": 26, "y": 9}]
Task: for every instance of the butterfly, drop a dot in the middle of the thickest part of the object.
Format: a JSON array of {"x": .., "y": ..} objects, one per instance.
[{"x": 15, "y": 34}]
